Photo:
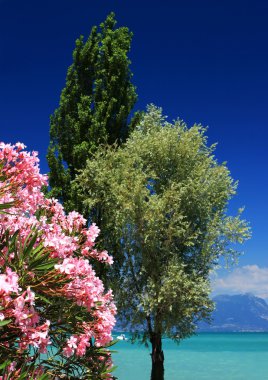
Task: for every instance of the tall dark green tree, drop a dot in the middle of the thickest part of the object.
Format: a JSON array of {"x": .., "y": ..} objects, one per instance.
[{"x": 94, "y": 105}]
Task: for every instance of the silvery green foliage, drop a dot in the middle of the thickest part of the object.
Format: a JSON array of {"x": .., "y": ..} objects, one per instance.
[{"x": 164, "y": 199}]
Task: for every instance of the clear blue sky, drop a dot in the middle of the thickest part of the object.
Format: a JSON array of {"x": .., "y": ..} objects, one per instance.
[{"x": 202, "y": 60}]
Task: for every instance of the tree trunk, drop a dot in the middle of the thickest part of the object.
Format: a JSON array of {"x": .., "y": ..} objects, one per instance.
[{"x": 157, "y": 357}]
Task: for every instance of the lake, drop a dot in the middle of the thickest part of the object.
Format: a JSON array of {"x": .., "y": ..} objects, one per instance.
[{"x": 207, "y": 356}]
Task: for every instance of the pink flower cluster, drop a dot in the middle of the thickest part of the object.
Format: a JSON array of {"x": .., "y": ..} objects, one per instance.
[
  {"x": 67, "y": 239},
  {"x": 87, "y": 289},
  {"x": 19, "y": 307}
]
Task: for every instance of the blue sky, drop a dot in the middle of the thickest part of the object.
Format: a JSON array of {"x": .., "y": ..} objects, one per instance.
[{"x": 205, "y": 61}]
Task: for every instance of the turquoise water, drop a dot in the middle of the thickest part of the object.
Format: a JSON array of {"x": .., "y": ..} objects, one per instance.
[{"x": 232, "y": 356}]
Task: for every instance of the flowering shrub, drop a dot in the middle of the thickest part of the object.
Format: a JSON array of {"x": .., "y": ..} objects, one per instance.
[{"x": 51, "y": 301}]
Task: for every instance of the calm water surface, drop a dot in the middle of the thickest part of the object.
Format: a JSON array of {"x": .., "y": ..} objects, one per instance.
[{"x": 233, "y": 356}]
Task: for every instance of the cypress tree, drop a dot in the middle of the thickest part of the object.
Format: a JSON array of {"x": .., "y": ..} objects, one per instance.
[{"x": 94, "y": 105}]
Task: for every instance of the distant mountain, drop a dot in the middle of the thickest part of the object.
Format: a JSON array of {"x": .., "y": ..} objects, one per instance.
[{"x": 243, "y": 312}]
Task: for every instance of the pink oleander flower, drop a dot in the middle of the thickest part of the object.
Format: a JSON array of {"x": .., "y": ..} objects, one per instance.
[
  {"x": 9, "y": 282},
  {"x": 70, "y": 347},
  {"x": 66, "y": 239},
  {"x": 40, "y": 338}
]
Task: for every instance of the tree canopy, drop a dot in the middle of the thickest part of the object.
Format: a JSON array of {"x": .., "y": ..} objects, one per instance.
[
  {"x": 94, "y": 105},
  {"x": 164, "y": 199}
]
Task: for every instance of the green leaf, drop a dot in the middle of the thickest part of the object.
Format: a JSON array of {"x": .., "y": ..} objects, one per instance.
[
  {"x": 5, "y": 322},
  {"x": 5, "y": 206},
  {"x": 29, "y": 243},
  {"x": 5, "y": 364},
  {"x": 46, "y": 266},
  {"x": 43, "y": 298}
]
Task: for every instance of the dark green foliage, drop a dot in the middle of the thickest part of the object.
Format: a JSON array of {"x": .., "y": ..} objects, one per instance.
[{"x": 94, "y": 105}]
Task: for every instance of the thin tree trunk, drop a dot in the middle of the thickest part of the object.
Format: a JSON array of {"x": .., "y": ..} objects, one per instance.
[{"x": 157, "y": 357}]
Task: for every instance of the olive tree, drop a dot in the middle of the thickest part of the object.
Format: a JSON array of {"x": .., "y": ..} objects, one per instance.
[{"x": 164, "y": 199}]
